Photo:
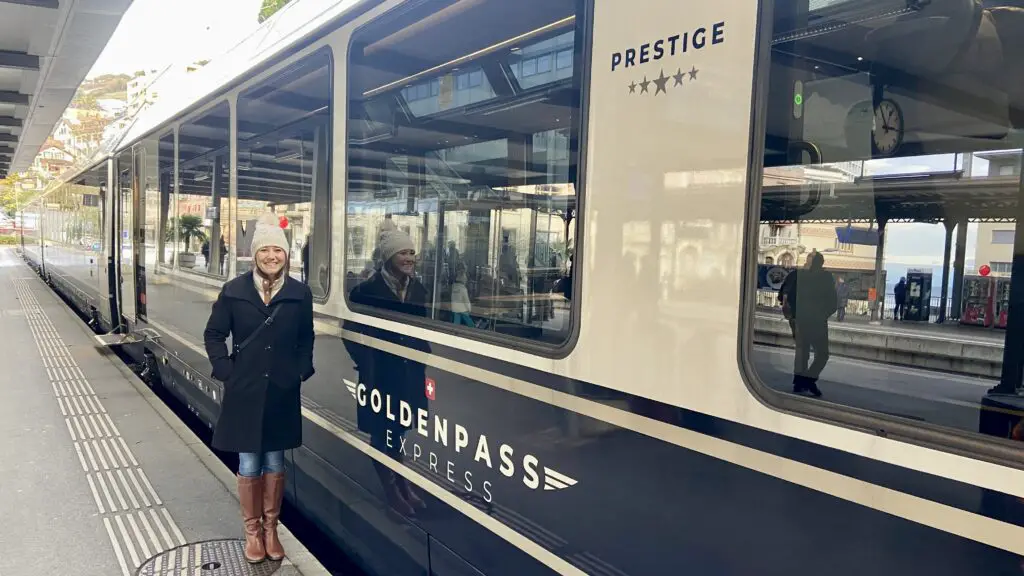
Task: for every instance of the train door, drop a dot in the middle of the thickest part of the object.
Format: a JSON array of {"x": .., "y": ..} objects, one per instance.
[
  {"x": 140, "y": 157},
  {"x": 127, "y": 208},
  {"x": 105, "y": 261}
]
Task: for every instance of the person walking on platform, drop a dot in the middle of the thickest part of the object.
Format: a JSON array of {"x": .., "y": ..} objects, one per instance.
[
  {"x": 813, "y": 299},
  {"x": 269, "y": 316},
  {"x": 843, "y": 294}
]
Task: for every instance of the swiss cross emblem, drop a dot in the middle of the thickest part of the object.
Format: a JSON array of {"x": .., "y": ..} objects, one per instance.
[{"x": 430, "y": 389}]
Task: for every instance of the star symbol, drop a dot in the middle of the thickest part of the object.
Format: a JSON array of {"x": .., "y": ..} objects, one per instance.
[
  {"x": 659, "y": 83},
  {"x": 644, "y": 85},
  {"x": 693, "y": 73},
  {"x": 632, "y": 87},
  {"x": 678, "y": 77}
]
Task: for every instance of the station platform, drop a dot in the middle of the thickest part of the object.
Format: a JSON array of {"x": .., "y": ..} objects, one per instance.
[
  {"x": 949, "y": 347},
  {"x": 99, "y": 476}
]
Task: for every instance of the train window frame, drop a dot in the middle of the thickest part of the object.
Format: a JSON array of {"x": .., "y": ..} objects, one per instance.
[
  {"x": 231, "y": 150},
  {"x": 925, "y": 434},
  {"x": 261, "y": 81},
  {"x": 170, "y": 130},
  {"x": 582, "y": 56}
]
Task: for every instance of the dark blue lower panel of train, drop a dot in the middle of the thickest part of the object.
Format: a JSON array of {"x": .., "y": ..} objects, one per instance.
[
  {"x": 607, "y": 500},
  {"x": 638, "y": 506},
  {"x": 80, "y": 287}
]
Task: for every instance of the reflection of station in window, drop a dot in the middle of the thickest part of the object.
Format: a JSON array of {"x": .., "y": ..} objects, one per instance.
[
  {"x": 881, "y": 98},
  {"x": 486, "y": 195}
]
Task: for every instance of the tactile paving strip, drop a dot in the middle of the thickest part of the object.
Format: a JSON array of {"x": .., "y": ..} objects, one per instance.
[
  {"x": 133, "y": 514},
  {"x": 210, "y": 558}
]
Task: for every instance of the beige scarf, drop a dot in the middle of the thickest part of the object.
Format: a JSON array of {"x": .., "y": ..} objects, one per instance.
[{"x": 267, "y": 287}]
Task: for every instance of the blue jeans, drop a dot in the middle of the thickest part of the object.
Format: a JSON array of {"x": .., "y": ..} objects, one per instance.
[
  {"x": 254, "y": 464},
  {"x": 463, "y": 318}
]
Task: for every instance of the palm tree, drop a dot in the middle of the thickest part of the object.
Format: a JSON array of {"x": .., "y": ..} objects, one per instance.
[{"x": 190, "y": 227}]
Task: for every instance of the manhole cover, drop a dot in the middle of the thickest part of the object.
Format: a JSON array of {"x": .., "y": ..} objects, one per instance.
[{"x": 211, "y": 558}]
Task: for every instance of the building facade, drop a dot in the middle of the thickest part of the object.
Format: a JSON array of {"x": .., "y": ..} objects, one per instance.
[
  {"x": 994, "y": 246},
  {"x": 789, "y": 243}
]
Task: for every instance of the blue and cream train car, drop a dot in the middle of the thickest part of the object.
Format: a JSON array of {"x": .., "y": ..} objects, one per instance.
[{"x": 605, "y": 177}]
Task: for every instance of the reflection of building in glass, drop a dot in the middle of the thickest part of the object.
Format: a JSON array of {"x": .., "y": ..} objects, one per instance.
[
  {"x": 995, "y": 239},
  {"x": 789, "y": 243}
]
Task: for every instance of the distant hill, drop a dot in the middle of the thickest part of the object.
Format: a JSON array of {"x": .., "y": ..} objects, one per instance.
[{"x": 107, "y": 86}]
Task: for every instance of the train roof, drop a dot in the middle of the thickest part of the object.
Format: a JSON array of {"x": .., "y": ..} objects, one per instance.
[{"x": 289, "y": 29}]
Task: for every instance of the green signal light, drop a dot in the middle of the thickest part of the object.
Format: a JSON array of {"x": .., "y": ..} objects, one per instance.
[{"x": 798, "y": 99}]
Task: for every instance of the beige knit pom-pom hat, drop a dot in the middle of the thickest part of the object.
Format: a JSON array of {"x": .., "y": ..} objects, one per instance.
[{"x": 268, "y": 233}]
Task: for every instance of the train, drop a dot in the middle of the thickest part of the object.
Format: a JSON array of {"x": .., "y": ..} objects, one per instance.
[{"x": 596, "y": 176}]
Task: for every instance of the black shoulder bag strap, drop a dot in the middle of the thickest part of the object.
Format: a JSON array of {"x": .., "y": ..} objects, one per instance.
[{"x": 256, "y": 332}]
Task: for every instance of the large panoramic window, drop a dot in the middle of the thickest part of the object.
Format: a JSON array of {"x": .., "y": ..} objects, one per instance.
[
  {"x": 203, "y": 219},
  {"x": 155, "y": 165},
  {"x": 462, "y": 167},
  {"x": 284, "y": 150},
  {"x": 156, "y": 209},
  {"x": 887, "y": 252}
]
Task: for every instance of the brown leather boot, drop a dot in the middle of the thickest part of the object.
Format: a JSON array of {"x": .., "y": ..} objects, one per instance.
[
  {"x": 250, "y": 495},
  {"x": 273, "y": 493}
]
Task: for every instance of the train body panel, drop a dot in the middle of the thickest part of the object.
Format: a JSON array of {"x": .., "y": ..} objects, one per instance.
[{"x": 608, "y": 427}]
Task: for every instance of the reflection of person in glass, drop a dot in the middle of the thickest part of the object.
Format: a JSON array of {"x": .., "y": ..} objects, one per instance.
[
  {"x": 461, "y": 306},
  {"x": 393, "y": 287},
  {"x": 843, "y": 295},
  {"x": 305, "y": 260},
  {"x": 812, "y": 299}
]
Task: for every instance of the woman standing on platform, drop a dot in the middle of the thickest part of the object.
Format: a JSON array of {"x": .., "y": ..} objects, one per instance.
[{"x": 269, "y": 316}]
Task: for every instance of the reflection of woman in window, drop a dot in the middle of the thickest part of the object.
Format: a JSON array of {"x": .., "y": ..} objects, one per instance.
[
  {"x": 461, "y": 305},
  {"x": 394, "y": 287}
]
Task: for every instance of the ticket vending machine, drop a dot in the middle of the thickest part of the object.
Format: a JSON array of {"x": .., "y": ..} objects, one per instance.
[
  {"x": 1001, "y": 301},
  {"x": 919, "y": 295},
  {"x": 976, "y": 303}
]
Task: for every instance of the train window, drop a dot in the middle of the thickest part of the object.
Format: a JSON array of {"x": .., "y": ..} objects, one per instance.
[
  {"x": 74, "y": 230},
  {"x": 204, "y": 204},
  {"x": 890, "y": 196},
  {"x": 156, "y": 209},
  {"x": 462, "y": 166},
  {"x": 284, "y": 151}
]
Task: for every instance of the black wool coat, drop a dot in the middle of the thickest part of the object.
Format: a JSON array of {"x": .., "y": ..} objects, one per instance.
[
  {"x": 400, "y": 377},
  {"x": 260, "y": 411}
]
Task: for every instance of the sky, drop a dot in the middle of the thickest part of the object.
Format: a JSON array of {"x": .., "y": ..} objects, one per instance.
[
  {"x": 916, "y": 244},
  {"x": 155, "y": 33}
]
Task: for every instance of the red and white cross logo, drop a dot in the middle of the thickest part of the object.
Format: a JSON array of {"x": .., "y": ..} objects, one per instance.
[{"x": 431, "y": 389}]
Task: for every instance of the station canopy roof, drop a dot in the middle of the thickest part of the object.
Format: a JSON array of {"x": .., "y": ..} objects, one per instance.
[
  {"x": 905, "y": 198},
  {"x": 46, "y": 49}
]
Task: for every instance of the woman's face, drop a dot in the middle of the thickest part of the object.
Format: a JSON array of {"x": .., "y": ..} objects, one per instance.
[
  {"x": 271, "y": 260},
  {"x": 404, "y": 262}
]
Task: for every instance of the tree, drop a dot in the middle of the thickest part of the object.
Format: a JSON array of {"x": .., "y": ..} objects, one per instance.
[
  {"x": 84, "y": 101},
  {"x": 269, "y": 7},
  {"x": 190, "y": 228},
  {"x": 12, "y": 195}
]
